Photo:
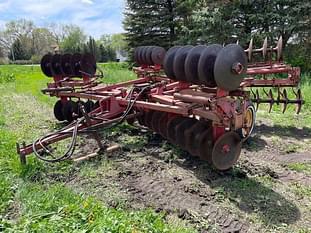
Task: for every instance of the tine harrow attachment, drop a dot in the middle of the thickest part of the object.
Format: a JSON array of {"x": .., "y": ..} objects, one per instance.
[{"x": 202, "y": 98}]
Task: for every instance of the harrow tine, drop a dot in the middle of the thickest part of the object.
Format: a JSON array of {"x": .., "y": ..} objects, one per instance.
[
  {"x": 257, "y": 100},
  {"x": 299, "y": 101},
  {"x": 271, "y": 100},
  {"x": 285, "y": 100},
  {"x": 250, "y": 50}
]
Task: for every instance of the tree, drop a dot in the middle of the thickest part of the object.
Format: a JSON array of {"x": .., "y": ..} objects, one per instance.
[
  {"x": 92, "y": 47},
  {"x": 19, "y": 52},
  {"x": 106, "y": 54},
  {"x": 74, "y": 39},
  {"x": 227, "y": 21}
]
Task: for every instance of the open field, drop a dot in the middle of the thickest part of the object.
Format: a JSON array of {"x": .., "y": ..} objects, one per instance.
[{"x": 150, "y": 185}]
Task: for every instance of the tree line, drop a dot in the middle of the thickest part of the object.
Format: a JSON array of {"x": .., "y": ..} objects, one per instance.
[
  {"x": 22, "y": 40},
  {"x": 172, "y": 22}
]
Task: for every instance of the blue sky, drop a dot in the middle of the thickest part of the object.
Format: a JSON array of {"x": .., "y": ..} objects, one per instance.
[{"x": 96, "y": 17}]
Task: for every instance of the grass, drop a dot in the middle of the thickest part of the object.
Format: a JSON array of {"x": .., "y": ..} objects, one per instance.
[
  {"x": 34, "y": 198},
  {"x": 300, "y": 167}
]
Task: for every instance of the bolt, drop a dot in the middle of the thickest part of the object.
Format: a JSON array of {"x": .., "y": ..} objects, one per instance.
[{"x": 237, "y": 68}]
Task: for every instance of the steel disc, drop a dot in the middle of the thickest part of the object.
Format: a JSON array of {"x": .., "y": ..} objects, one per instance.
[
  {"x": 230, "y": 67},
  {"x": 76, "y": 64},
  {"x": 180, "y": 131},
  {"x": 162, "y": 126},
  {"x": 206, "y": 64},
  {"x": 179, "y": 62},
  {"x": 148, "y": 119},
  {"x": 226, "y": 151},
  {"x": 191, "y": 64},
  {"x": 169, "y": 61},
  {"x": 192, "y": 136},
  {"x": 58, "y": 111},
  {"x": 69, "y": 109},
  {"x": 141, "y": 55},
  {"x": 205, "y": 142},
  {"x": 158, "y": 55},
  {"x": 155, "y": 120},
  {"x": 65, "y": 64},
  {"x": 171, "y": 128},
  {"x": 46, "y": 65},
  {"x": 88, "y": 64},
  {"x": 148, "y": 55},
  {"x": 56, "y": 64},
  {"x": 136, "y": 59}
]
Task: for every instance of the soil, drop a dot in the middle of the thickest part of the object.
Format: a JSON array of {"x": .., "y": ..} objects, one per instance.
[{"x": 254, "y": 196}]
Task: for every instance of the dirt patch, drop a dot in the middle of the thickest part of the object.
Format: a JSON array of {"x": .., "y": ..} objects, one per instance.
[{"x": 149, "y": 172}]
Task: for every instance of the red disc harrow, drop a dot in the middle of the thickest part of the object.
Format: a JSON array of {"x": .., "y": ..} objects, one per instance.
[{"x": 202, "y": 98}]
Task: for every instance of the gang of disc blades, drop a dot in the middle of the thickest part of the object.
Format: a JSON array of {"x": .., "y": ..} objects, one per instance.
[
  {"x": 158, "y": 55},
  {"x": 206, "y": 64},
  {"x": 76, "y": 64},
  {"x": 46, "y": 65},
  {"x": 65, "y": 64},
  {"x": 56, "y": 64},
  {"x": 226, "y": 76},
  {"x": 226, "y": 151},
  {"x": 88, "y": 64},
  {"x": 169, "y": 62},
  {"x": 191, "y": 64},
  {"x": 179, "y": 62}
]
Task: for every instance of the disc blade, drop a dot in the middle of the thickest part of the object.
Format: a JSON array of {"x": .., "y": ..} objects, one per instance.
[
  {"x": 46, "y": 65},
  {"x": 192, "y": 62},
  {"x": 136, "y": 52},
  {"x": 179, "y": 62},
  {"x": 205, "y": 142},
  {"x": 88, "y": 64},
  {"x": 230, "y": 67},
  {"x": 76, "y": 63},
  {"x": 180, "y": 131},
  {"x": 206, "y": 65},
  {"x": 171, "y": 128},
  {"x": 65, "y": 64},
  {"x": 226, "y": 151},
  {"x": 56, "y": 64},
  {"x": 169, "y": 61},
  {"x": 192, "y": 136},
  {"x": 158, "y": 55},
  {"x": 162, "y": 125}
]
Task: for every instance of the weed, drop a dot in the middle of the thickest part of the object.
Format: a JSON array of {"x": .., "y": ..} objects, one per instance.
[{"x": 300, "y": 167}]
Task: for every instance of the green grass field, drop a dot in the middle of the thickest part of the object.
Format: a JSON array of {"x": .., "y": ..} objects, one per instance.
[{"x": 32, "y": 201}]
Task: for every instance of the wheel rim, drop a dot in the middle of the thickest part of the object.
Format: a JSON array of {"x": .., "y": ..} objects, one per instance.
[{"x": 249, "y": 122}]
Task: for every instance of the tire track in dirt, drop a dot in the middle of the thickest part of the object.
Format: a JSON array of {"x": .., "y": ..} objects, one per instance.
[{"x": 157, "y": 186}]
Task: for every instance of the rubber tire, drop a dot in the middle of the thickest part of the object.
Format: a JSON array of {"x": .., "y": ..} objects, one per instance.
[{"x": 58, "y": 111}]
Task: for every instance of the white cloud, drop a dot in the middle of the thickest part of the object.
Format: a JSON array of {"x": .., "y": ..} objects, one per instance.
[
  {"x": 87, "y": 1},
  {"x": 96, "y": 17}
]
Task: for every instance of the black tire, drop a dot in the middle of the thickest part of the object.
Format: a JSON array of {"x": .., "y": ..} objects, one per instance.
[{"x": 58, "y": 111}]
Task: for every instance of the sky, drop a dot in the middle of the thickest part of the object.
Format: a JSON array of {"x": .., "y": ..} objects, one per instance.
[{"x": 95, "y": 17}]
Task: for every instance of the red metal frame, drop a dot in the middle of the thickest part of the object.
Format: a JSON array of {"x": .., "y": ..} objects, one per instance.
[{"x": 225, "y": 109}]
